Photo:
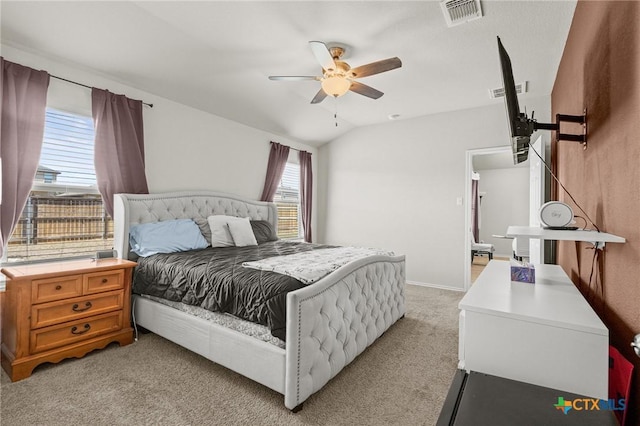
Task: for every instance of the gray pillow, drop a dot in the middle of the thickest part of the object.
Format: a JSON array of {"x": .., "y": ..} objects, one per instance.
[
  {"x": 263, "y": 231},
  {"x": 205, "y": 230}
]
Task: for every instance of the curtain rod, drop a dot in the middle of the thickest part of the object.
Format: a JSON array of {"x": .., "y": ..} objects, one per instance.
[
  {"x": 88, "y": 87},
  {"x": 290, "y": 147}
]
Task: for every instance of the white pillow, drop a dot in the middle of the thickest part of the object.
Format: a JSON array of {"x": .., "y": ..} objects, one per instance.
[
  {"x": 220, "y": 234},
  {"x": 242, "y": 232}
]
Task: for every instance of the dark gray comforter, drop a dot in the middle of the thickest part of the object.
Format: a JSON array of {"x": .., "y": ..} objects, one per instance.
[{"x": 214, "y": 279}]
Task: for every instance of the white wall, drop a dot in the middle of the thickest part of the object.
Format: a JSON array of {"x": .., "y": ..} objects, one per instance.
[
  {"x": 185, "y": 148},
  {"x": 395, "y": 186},
  {"x": 506, "y": 202}
]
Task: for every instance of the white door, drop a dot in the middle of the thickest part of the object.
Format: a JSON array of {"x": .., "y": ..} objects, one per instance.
[{"x": 536, "y": 197}]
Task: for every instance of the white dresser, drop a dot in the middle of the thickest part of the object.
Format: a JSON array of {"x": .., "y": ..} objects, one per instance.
[{"x": 544, "y": 333}]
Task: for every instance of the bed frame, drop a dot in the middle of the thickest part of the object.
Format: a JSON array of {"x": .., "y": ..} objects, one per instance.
[{"x": 329, "y": 323}]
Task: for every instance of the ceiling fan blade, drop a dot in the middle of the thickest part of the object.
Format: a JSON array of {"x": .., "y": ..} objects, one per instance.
[
  {"x": 293, "y": 77},
  {"x": 376, "y": 67},
  {"x": 319, "y": 97},
  {"x": 321, "y": 52},
  {"x": 363, "y": 89}
]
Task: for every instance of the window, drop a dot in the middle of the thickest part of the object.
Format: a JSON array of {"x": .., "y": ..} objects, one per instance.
[
  {"x": 287, "y": 199},
  {"x": 64, "y": 215}
]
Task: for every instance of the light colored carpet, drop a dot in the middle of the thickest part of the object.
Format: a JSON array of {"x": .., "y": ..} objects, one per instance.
[{"x": 402, "y": 379}]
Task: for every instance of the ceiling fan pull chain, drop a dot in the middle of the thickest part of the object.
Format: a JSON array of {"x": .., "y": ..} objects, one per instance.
[{"x": 335, "y": 114}]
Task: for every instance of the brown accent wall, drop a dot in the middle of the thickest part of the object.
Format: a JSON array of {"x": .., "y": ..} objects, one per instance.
[{"x": 600, "y": 71}]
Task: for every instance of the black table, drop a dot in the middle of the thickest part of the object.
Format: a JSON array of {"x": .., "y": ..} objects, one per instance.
[{"x": 477, "y": 399}]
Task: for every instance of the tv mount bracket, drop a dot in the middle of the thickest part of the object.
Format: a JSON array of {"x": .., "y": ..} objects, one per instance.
[{"x": 564, "y": 118}]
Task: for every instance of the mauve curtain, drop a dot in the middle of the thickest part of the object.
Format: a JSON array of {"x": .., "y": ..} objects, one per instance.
[
  {"x": 119, "y": 145},
  {"x": 306, "y": 192},
  {"x": 475, "y": 210},
  {"x": 277, "y": 160},
  {"x": 23, "y": 91}
]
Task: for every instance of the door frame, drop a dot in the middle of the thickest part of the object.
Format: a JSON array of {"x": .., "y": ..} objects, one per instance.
[
  {"x": 470, "y": 154},
  {"x": 537, "y": 197},
  {"x": 541, "y": 188}
]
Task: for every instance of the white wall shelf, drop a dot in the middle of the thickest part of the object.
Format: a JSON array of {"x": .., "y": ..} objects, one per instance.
[{"x": 554, "y": 234}]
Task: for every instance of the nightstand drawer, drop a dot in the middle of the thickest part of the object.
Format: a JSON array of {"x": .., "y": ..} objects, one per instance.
[
  {"x": 51, "y": 313},
  {"x": 102, "y": 281},
  {"x": 49, "y": 289},
  {"x": 65, "y": 334}
]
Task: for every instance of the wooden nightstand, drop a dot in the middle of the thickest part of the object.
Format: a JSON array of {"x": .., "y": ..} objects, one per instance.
[{"x": 58, "y": 310}]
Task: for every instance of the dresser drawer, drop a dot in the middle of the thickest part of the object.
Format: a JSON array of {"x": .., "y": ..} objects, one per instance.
[
  {"x": 60, "y": 311},
  {"x": 102, "y": 281},
  {"x": 47, "y": 338},
  {"x": 58, "y": 288}
]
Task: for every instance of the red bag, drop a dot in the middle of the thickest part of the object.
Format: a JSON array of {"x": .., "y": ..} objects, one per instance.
[{"x": 620, "y": 371}]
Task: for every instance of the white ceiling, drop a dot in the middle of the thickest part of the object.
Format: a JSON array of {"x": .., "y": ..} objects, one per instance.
[{"x": 216, "y": 55}]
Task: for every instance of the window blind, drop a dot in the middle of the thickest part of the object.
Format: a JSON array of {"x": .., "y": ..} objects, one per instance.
[
  {"x": 67, "y": 149},
  {"x": 287, "y": 199},
  {"x": 64, "y": 215}
]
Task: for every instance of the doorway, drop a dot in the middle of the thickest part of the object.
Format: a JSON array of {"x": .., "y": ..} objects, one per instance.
[{"x": 509, "y": 196}]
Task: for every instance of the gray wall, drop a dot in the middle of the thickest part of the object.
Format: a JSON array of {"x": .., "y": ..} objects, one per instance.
[
  {"x": 506, "y": 202},
  {"x": 395, "y": 185}
]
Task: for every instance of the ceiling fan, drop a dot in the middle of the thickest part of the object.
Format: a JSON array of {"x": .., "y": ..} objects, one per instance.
[{"x": 338, "y": 77}]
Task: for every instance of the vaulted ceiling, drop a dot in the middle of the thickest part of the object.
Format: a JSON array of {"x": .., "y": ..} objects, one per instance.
[{"x": 217, "y": 55}]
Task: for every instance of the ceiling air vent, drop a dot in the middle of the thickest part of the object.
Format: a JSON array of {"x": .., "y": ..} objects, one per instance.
[
  {"x": 499, "y": 93},
  {"x": 458, "y": 12}
]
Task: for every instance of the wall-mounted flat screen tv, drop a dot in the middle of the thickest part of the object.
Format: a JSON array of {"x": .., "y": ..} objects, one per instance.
[{"x": 520, "y": 127}]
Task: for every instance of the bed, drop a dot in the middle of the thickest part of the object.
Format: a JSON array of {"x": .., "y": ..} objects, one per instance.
[{"x": 328, "y": 323}]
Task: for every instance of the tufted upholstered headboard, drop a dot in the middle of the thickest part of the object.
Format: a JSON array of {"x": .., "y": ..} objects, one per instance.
[{"x": 133, "y": 209}]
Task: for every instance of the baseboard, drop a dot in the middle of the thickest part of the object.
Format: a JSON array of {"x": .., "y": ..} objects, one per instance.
[{"x": 439, "y": 286}]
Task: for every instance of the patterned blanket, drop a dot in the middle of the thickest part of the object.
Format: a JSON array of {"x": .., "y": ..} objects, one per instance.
[{"x": 309, "y": 267}]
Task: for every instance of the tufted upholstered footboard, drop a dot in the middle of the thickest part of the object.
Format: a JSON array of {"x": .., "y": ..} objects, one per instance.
[
  {"x": 329, "y": 323},
  {"x": 334, "y": 320}
]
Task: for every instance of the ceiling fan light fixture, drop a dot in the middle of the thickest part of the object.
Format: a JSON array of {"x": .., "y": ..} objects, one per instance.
[
  {"x": 337, "y": 76},
  {"x": 335, "y": 85}
]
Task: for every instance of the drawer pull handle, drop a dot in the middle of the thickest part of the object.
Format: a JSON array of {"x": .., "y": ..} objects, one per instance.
[
  {"x": 58, "y": 287},
  {"x": 76, "y": 308},
  {"x": 74, "y": 329},
  {"x": 104, "y": 281}
]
